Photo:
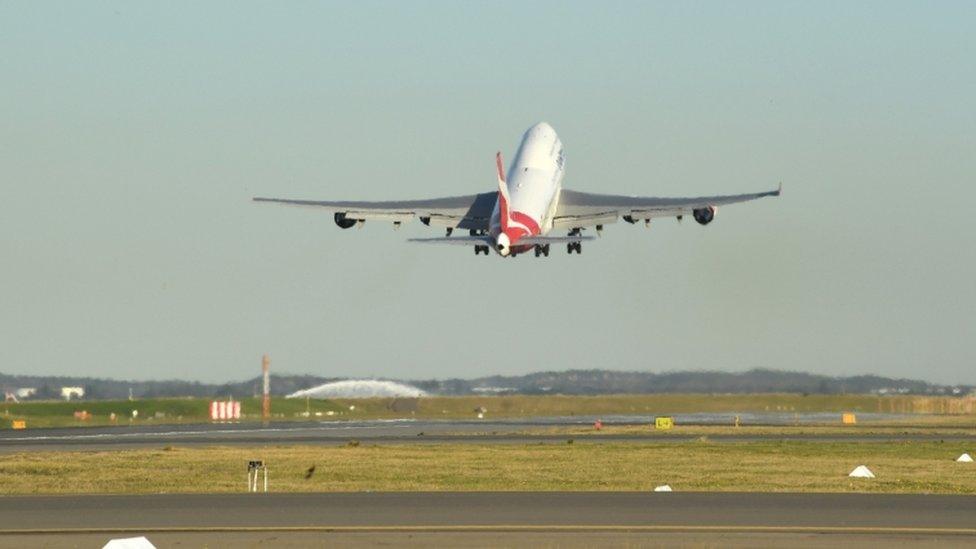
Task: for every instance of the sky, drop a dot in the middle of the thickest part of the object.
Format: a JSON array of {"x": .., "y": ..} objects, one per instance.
[{"x": 134, "y": 134}]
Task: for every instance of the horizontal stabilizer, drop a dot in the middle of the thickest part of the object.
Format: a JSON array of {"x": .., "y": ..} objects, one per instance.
[
  {"x": 543, "y": 240},
  {"x": 456, "y": 240},
  {"x": 479, "y": 240}
]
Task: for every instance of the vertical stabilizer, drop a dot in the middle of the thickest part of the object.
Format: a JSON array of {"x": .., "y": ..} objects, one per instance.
[{"x": 503, "y": 211}]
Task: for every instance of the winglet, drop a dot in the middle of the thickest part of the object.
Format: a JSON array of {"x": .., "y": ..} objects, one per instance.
[
  {"x": 779, "y": 191},
  {"x": 502, "y": 193}
]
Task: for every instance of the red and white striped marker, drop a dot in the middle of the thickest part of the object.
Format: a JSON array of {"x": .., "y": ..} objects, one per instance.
[{"x": 225, "y": 410}]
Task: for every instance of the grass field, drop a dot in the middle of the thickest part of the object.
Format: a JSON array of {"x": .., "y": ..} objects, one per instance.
[
  {"x": 927, "y": 467},
  {"x": 47, "y": 414}
]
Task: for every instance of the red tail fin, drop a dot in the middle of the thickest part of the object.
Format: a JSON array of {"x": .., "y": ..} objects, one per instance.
[{"x": 503, "y": 213}]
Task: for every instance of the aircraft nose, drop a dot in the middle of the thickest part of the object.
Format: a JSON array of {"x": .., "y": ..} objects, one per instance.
[{"x": 502, "y": 243}]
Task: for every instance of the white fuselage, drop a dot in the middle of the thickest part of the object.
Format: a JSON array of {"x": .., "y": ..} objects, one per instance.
[{"x": 534, "y": 181}]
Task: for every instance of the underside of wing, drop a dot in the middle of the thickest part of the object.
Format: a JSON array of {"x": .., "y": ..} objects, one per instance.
[
  {"x": 578, "y": 209},
  {"x": 463, "y": 212}
]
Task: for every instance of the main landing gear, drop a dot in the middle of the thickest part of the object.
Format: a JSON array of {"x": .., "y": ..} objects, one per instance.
[
  {"x": 577, "y": 246},
  {"x": 478, "y": 248},
  {"x": 542, "y": 249}
]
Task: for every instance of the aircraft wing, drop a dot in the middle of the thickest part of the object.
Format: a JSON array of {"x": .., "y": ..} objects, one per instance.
[
  {"x": 463, "y": 212},
  {"x": 577, "y": 209}
]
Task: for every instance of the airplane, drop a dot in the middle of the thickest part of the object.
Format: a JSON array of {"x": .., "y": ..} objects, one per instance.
[{"x": 529, "y": 205}]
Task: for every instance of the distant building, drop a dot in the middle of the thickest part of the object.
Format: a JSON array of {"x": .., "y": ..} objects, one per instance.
[
  {"x": 68, "y": 393},
  {"x": 493, "y": 390},
  {"x": 26, "y": 392}
]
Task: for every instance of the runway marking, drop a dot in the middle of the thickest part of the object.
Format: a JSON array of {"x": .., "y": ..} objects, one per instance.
[
  {"x": 204, "y": 432},
  {"x": 511, "y": 528}
]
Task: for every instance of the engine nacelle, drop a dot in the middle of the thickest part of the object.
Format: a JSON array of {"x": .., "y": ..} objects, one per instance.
[
  {"x": 704, "y": 216},
  {"x": 344, "y": 222}
]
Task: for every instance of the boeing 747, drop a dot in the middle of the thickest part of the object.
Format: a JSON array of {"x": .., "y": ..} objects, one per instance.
[{"x": 529, "y": 205}]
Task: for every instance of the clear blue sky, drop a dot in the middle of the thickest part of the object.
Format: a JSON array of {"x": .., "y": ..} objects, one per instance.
[{"x": 134, "y": 135}]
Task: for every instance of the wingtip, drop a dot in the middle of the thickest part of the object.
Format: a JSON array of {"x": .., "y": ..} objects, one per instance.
[{"x": 779, "y": 190}]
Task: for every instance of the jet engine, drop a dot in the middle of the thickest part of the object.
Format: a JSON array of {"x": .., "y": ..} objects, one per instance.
[
  {"x": 704, "y": 216},
  {"x": 343, "y": 222}
]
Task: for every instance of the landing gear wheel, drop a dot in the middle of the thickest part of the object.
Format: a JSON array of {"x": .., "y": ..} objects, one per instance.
[
  {"x": 545, "y": 250},
  {"x": 578, "y": 246},
  {"x": 479, "y": 249}
]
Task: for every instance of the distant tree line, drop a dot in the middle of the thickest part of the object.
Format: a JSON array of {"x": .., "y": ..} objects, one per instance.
[
  {"x": 594, "y": 382},
  {"x": 571, "y": 382}
]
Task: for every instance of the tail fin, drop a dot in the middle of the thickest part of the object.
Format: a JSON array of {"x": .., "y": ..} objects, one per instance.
[{"x": 503, "y": 212}]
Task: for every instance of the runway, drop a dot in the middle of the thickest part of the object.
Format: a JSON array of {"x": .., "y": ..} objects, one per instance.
[
  {"x": 382, "y": 432},
  {"x": 469, "y": 517}
]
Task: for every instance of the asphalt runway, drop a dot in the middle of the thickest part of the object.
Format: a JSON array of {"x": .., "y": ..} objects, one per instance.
[
  {"x": 377, "y": 432},
  {"x": 494, "y": 518}
]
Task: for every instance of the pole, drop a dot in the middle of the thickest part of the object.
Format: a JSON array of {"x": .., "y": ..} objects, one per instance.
[{"x": 266, "y": 402}]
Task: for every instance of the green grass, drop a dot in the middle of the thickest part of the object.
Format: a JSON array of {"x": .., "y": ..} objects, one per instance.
[
  {"x": 47, "y": 414},
  {"x": 171, "y": 410},
  {"x": 694, "y": 466}
]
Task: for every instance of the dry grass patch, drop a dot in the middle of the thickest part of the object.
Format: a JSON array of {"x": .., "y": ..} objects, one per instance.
[{"x": 764, "y": 466}]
